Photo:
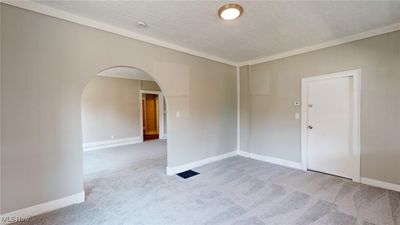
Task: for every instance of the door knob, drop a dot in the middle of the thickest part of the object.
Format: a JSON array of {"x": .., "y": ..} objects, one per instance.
[{"x": 310, "y": 127}]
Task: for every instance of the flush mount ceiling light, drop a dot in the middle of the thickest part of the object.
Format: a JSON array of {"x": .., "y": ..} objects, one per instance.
[{"x": 230, "y": 11}]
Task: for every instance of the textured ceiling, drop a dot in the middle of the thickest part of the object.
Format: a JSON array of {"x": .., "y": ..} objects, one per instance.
[
  {"x": 265, "y": 29},
  {"x": 125, "y": 72}
]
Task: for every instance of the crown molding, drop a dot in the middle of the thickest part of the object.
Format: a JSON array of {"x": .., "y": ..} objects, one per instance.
[
  {"x": 339, "y": 41},
  {"x": 49, "y": 11},
  {"x": 46, "y": 10}
]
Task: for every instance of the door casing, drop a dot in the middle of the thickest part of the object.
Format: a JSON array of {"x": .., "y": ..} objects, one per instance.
[
  {"x": 162, "y": 133},
  {"x": 356, "y": 118}
]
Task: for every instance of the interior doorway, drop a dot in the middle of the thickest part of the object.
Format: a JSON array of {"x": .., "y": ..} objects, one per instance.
[
  {"x": 331, "y": 124},
  {"x": 111, "y": 120},
  {"x": 152, "y": 115}
]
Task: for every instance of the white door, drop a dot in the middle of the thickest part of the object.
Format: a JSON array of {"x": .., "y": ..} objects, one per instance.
[{"x": 329, "y": 126}]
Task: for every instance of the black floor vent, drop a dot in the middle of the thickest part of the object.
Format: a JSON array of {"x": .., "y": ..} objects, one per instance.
[{"x": 187, "y": 174}]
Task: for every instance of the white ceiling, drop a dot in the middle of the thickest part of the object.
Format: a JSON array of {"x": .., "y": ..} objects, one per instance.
[
  {"x": 125, "y": 72},
  {"x": 265, "y": 29}
]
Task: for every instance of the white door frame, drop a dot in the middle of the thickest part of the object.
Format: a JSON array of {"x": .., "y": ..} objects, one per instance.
[
  {"x": 356, "y": 118},
  {"x": 160, "y": 113}
]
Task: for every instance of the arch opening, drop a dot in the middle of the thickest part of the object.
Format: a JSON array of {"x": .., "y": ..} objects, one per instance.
[{"x": 121, "y": 108}]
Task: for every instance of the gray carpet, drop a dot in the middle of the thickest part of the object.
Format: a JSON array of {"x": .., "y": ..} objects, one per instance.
[{"x": 128, "y": 185}]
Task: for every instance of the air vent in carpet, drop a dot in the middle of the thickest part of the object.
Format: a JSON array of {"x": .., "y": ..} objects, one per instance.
[{"x": 187, "y": 174}]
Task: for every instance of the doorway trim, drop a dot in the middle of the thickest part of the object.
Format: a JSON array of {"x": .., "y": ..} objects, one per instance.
[
  {"x": 161, "y": 130},
  {"x": 356, "y": 118}
]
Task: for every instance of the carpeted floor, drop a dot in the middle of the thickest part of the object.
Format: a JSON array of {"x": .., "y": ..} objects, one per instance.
[{"x": 128, "y": 185}]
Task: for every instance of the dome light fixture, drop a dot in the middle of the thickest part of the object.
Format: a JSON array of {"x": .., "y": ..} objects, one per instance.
[{"x": 230, "y": 11}]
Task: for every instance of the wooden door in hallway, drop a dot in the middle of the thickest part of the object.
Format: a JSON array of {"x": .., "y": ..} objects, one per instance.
[{"x": 150, "y": 116}]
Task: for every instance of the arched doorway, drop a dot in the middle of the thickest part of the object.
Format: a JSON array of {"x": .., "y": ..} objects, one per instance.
[{"x": 114, "y": 119}]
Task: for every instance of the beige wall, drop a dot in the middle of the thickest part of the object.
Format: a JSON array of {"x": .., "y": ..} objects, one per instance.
[
  {"x": 46, "y": 64},
  {"x": 111, "y": 108},
  {"x": 274, "y": 86},
  {"x": 149, "y": 86}
]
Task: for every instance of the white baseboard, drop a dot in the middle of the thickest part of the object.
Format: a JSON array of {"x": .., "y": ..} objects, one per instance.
[
  {"x": 278, "y": 161},
  {"x": 243, "y": 153},
  {"x": 24, "y": 214},
  {"x": 178, "y": 169},
  {"x": 90, "y": 146},
  {"x": 296, "y": 165},
  {"x": 380, "y": 184}
]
